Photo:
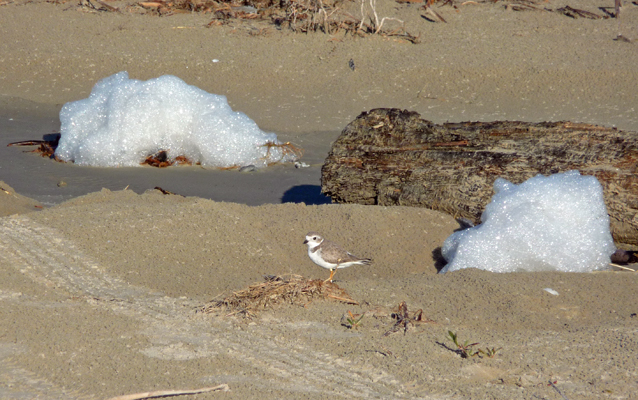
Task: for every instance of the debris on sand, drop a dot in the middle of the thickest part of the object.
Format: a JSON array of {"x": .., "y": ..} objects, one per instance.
[
  {"x": 46, "y": 146},
  {"x": 404, "y": 320},
  {"x": 289, "y": 289},
  {"x": 161, "y": 159}
]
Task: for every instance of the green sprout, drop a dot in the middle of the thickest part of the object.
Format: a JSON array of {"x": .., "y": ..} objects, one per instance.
[
  {"x": 465, "y": 350},
  {"x": 490, "y": 353},
  {"x": 354, "y": 320}
]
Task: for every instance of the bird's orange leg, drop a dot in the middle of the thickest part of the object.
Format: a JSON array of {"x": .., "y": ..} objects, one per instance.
[{"x": 332, "y": 273}]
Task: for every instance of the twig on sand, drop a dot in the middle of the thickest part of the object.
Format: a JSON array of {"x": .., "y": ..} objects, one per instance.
[
  {"x": 617, "y": 5},
  {"x": 617, "y": 8},
  {"x": 169, "y": 393},
  {"x": 376, "y": 28},
  {"x": 436, "y": 17},
  {"x": 621, "y": 267},
  {"x": 558, "y": 390}
]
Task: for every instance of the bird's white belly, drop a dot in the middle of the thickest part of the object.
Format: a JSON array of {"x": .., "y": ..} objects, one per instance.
[{"x": 316, "y": 258}]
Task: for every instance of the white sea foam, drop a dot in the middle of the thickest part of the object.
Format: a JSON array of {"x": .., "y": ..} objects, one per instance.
[
  {"x": 124, "y": 120},
  {"x": 554, "y": 223}
]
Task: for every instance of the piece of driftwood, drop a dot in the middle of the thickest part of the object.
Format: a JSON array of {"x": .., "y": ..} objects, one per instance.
[
  {"x": 393, "y": 157},
  {"x": 170, "y": 393}
]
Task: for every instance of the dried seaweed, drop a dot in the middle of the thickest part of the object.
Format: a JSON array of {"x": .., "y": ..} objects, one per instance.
[
  {"x": 289, "y": 289},
  {"x": 162, "y": 160},
  {"x": 287, "y": 149},
  {"x": 325, "y": 16},
  {"x": 46, "y": 147}
]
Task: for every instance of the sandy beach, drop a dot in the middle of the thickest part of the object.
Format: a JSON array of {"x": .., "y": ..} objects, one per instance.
[{"x": 103, "y": 279}]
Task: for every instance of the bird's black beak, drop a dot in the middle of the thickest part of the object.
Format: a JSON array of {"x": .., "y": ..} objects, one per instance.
[{"x": 305, "y": 241}]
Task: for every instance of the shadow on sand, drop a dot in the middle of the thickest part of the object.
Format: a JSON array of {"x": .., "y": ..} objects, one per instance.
[{"x": 308, "y": 194}]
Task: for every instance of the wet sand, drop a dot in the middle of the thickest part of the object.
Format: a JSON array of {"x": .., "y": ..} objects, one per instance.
[{"x": 99, "y": 288}]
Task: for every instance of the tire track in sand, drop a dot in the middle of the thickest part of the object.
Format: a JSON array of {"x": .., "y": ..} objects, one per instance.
[{"x": 45, "y": 256}]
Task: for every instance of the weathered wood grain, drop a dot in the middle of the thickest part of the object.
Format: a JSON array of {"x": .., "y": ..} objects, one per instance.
[{"x": 393, "y": 157}]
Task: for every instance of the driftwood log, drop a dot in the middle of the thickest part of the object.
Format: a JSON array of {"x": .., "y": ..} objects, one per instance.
[{"x": 393, "y": 157}]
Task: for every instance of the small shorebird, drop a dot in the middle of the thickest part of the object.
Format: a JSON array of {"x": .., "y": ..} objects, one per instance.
[{"x": 330, "y": 255}]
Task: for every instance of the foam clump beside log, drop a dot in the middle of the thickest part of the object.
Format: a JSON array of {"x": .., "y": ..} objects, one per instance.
[
  {"x": 554, "y": 223},
  {"x": 394, "y": 157}
]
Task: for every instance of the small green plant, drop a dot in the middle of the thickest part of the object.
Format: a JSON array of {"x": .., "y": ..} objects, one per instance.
[
  {"x": 465, "y": 350},
  {"x": 354, "y": 320},
  {"x": 490, "y": 353}
]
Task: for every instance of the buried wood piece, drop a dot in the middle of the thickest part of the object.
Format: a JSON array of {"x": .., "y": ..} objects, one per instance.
[
  {"x": 169, "y": 393},
  {"x": 166, "y": 192},
  {"x": 393, "y": 157}
]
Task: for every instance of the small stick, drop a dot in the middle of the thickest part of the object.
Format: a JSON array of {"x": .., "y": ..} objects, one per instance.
[
  {"x": 621, "y": 267},
  {"x": 617, "y": 5},
  {"x": 457, "y": 143},
  {"x": 345, "y": 300},
  {"x": 436, "y": 16},
  {"x": 151, "y": 4},
  {"x": 108, "y": 7},
  {"x": 376, "y": 17},
  {"x": 167, "y": 393},
  {"x": 559, "y": 392},
  {"x": 28, "y": 143}
]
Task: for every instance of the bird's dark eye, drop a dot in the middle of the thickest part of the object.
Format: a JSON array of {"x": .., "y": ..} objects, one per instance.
[{"x": 314, "y": 238}]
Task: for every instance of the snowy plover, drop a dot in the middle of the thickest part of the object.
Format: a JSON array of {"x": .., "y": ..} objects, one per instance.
[{"x": 329, "y": 255}]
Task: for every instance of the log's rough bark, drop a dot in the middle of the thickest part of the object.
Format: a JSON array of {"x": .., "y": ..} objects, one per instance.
[{"x": 393, "y": 157}]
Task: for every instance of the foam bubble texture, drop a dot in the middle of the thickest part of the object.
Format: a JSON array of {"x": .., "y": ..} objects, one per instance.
[
  {"x": 125, "y": 120},
  {"x": 554, "y": 223}
]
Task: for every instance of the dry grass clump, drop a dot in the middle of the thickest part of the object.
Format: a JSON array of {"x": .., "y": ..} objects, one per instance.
[
  {"x": 329, "y": 16},
  {"x": 289, "y": 289},
  {"x": 288, "y": 150},
  {"x": 310, "y": 16}
]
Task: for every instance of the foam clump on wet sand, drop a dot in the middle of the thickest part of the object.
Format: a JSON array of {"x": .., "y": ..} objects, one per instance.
[
  {"x": 125, "y": 120},
  {"x": 554, "y": 223}
]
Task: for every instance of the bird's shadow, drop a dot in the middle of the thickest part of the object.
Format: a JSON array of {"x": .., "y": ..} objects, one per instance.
[{"x": 308, "y": 194}]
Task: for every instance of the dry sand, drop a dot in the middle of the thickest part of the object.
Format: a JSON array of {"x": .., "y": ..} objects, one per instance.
[{"x": 98, "y": 294}]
